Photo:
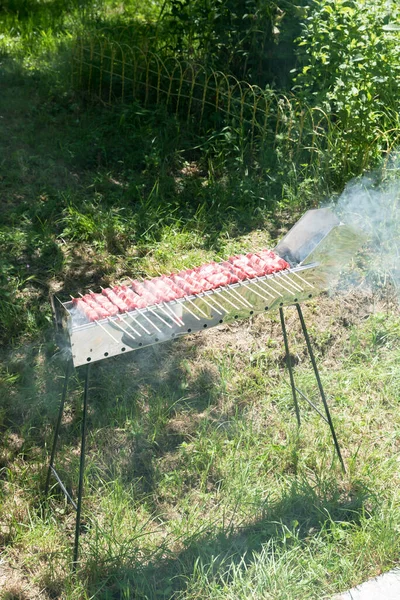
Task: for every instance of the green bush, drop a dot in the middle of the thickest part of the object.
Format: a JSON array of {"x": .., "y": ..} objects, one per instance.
[{"x": 349, "y": 52}]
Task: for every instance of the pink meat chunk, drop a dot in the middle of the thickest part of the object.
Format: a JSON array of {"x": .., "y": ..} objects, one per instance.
[
  {"x": 194, "y": 283},
  {"x": 183, "y": 284},
  {"x": 178, "y": 292},
  {"x": 237, "y": 273},
  {"x": 159, "y": 290},
  {"x": 270, "y": 257},
  {"x": 100, "y": 311},
  {"x": 118, "y": 302},
  {"x": 85, "y": 310},
  {"x": 241, "y": 262},
  {"x": 132, "y": 300},
  {"x": 144, "y": 293},
  {"x": 189, "y": 282},
  {"x": 102, "y": 301}
]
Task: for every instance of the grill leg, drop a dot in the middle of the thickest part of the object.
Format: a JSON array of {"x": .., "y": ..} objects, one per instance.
[
  {"x": 321, "y": 389},
  {"x": 289, "y": 365},
  {"x": 57, "y": 430},
  {"x": 81, "y": 471}
]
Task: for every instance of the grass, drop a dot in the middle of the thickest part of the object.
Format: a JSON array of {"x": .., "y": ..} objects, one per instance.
[{"x": 198, "y": 483}]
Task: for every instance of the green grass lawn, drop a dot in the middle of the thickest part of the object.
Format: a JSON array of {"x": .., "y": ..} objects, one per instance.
[{"x": 198, "y": 483}]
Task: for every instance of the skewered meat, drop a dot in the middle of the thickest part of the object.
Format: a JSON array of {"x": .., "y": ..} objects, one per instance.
[{"x": 190, "y": 282}]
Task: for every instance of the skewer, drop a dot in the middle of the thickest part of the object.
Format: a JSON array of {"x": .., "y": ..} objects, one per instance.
[
  {"x": 138, "y": 323},
  {"x": 130, "y": 326},
  {"x": 111, "y": 336},
  {"x": 196, "y": 307},
  {"x": 141, "y": 312},
  {"x": 276, "y": 292},
  {"x": 281, "y": 285},
  {"x": 219, "y": 291},
  {"x": 120, "y": 316},
  {"x": 102, "y": 326},
  {"x": 303, "y": 280},
  {"x": 239, "y": 297},
  {"x": 286, "y": 275},
  {"x": 177, "y": 319},
  {"x": 294, "y": 287},
  {"x": 158, "y": 317},
  {"x": 160, "y": 308},
  {"x": 202, "y": 298},
  {"x": 257, "y": 294},
  {"x": 182, "y": 302},
  {"x": 114, "y": 322}
]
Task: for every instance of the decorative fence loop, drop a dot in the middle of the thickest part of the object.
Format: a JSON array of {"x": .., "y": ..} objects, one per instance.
[{"x": 113, "y": 72}]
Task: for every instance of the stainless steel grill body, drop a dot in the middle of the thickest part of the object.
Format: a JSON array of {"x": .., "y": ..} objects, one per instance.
[{"x": 316, "y": 248}]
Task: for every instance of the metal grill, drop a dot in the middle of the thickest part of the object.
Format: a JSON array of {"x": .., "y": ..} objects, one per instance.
[{"x": 316, "y": 248}]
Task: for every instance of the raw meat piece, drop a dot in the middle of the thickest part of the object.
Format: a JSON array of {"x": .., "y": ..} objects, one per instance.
[
  {"x": 183, "y": 284},
  {"x": 131, "y": 299},
  {"x": 158, "y": 290},
  {"x": 102, "y": 301},
  {"x": 237, "y": 272},
  {"x": 179, "y": 292},
  {"x": 278, "y": 263},
  {"x": 145, "y": 294},
  {"x": 112, "y": 296},
  {"x": 99, "y": 310},
  {"x": 242, "y": 263},
  {"x": 85, "y": 309}
]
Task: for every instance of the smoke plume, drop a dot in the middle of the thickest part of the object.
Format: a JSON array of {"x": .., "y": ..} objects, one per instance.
[{"x": 372, "y": 204}]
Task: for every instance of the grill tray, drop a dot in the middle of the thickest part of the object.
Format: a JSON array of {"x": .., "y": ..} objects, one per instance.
[{"x": 316, "y": 248}]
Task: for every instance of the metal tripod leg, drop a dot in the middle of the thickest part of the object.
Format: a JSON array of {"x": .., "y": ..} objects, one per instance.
[
  {"x": 289, "y": 365},
  {"x": 321, "y": 389},
  {"x": 57, "y": 431},
  {"x": 81, "y": 471}
]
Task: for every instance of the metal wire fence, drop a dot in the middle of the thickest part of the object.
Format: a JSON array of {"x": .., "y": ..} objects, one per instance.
[{"x": 113, "y": 71}]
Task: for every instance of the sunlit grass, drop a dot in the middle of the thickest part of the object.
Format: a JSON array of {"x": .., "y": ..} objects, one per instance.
[{"x": 198, "y": 483}]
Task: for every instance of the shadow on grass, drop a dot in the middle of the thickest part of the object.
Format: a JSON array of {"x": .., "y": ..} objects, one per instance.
[
  {"x": 305, "y": 511},
  {"x": 86, "y": 188}
]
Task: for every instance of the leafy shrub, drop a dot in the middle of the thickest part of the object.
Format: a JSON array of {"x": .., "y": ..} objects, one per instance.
[
  {"x": 350, "y": 66},
  {"x": 250, "y": 39}
]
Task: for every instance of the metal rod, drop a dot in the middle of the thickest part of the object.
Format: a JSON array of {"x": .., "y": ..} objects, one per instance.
[
  {"x": 185, "y": 307},
  {"x": 303, "y": 280},
  {"x": 321, "y": 389},
  {"x": 276, "y": 292},
  {"x": 289, "y": 365},
  {"x": 220, "y": 291},
  {"x": 130, "y": 326},
  {"x": 81, "y": 470},
  {"x": 202, "y": 298},
  {"x": 58, "y": 425},
  {"x": 63, "y": 488},
  {"x": 121, "y": 328},
  {"x": 142, "y": 312},
  {"x": 210, "y": 296},
  {"x": 281, "y": 285},
  {"x": 243, "y": 301},
  {"x": 287, "y": 279},
  {"x": 257, "y": 293},
  {"x": 177, "y": 319},
  {"x": 160, "y": 306},
  {"x": 158, "y": 317},
  {"x": 107, "y": 332},
  {"x": 138, "y": 323},
  {"x": 313, "y": 405},
  {"x": 196, "y": 307}
]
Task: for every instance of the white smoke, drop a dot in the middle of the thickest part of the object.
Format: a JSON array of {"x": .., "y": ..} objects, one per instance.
[{"x": 372, "y": 205}]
